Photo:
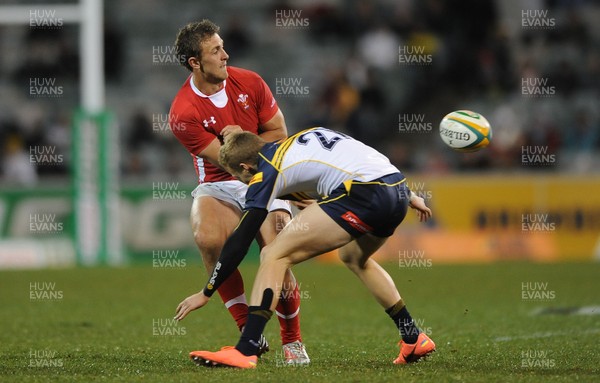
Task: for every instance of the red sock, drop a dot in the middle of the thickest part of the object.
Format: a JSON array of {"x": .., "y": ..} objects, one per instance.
[
  {"x": 232, "y": 294},
  {"x": 288, "y": 313}
]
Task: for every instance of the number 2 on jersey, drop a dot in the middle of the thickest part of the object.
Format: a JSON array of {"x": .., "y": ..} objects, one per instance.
[{"x": 326, "y": 143}]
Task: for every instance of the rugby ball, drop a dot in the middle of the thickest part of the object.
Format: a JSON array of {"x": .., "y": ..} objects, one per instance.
[{"x": 465, "y": 131}]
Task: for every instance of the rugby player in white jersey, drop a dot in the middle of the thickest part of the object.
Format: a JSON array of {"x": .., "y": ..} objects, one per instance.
[{"x": 362, "y": 198}]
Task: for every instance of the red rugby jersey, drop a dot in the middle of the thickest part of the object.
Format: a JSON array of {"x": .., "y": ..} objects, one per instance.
[{"x": 196, "y": 119}]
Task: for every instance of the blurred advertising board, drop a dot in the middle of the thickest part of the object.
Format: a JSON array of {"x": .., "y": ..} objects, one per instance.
[
  {"x": 489, "y": 218},
  {"x": 475, "y": 219},
  {"x": 37, "y": 227}
]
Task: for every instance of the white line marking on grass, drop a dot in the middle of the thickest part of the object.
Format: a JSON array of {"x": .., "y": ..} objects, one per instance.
[
  {"x": 581, "y": 310},
  {"x": 548, "y": 334},
  {"x": 588, "y": 310}
]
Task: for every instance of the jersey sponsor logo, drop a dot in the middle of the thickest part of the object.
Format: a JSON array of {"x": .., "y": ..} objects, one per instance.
[
  {"x": 243, "y": 100},
  {"x": 258, "y": 177},
  {"x": 356, "y": 222},
  {"x": 211, "y": 120}
]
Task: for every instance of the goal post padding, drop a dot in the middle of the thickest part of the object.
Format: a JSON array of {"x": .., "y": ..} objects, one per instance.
[{"x": 95, "y": 170}]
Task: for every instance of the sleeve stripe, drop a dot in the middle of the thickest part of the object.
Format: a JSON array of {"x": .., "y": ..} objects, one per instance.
[
  {"x": 241, "y": 220},
  {"x": 280, "y": 153}
]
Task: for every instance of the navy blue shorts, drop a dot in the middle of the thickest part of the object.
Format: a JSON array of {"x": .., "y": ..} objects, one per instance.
[{"x": 376, "y": 207}]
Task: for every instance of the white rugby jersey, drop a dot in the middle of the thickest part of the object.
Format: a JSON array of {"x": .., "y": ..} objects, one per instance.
[{"x": 312, "y": 163}]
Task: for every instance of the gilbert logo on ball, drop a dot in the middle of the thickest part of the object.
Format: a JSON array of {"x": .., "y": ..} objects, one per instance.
[{"x": 465, "y": 131}]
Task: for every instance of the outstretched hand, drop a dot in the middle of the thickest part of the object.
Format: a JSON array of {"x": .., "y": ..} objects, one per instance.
[
  {"x": 190, "y": 304},
  {"x": 418, "y": 203}
]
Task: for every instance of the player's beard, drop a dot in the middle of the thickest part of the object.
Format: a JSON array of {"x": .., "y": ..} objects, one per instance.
[{"x": 212, "y": 78}]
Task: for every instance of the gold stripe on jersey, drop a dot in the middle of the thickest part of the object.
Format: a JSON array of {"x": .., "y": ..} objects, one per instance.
[
  {"x": 334, "y": 199},
  {"x": 324, "y": 163},
  {"x": 276, "y": 178},
  {"x": 297, "y": 196},
  {"x": 280, "y": 152},
  {"x": 305, "y": 195},
  {"x": 379, "y": 183},
  {"x": 258, "y": 177},
  {"x": 267, "y": 160},
  {"x": 347, "y": 185}
]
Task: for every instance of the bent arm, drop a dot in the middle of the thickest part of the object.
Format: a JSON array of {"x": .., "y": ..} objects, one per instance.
[
  {"x": 211, "y": 153},
  {"x": 274, "y": 129}
]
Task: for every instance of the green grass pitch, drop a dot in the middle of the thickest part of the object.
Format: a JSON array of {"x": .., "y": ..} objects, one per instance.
[{"x": 101, "y": 324}]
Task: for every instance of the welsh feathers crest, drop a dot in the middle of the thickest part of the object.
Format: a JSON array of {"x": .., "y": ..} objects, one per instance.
[{"x": 243, "y": 100}]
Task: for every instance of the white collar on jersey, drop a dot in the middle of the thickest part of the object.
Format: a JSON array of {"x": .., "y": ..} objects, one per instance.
[{"x": 218, "y": 99}]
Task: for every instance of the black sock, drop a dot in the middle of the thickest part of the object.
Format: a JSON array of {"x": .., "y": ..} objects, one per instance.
[
  {"x": 399, "y": 314},
  {"x": 258, "y": 316},
  {"x": 257, "y": 320}
]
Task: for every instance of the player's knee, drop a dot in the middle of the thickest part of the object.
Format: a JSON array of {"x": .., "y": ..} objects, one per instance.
[
  {"x": 265, "y": 253},
  {"x": 269, "y": 254},
  {"x": 208, "y": 243},
  {"x": 345, "y": 257},
  {"x": 350, "y": 260}
]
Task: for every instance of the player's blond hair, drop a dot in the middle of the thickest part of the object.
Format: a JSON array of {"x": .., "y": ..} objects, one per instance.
[{"x": 238, "y": 148}]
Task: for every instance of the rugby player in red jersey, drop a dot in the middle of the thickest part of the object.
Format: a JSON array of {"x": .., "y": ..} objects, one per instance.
[{"x": 215, "y": 101}]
